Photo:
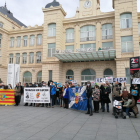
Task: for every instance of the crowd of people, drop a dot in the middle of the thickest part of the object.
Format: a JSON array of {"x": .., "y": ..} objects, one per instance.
[{"x": 100, "y": 95}]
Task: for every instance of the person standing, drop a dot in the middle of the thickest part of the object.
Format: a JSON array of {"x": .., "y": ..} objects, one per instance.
[
  {"x": 105, "y": 97},
  {"x": 66, "y": 96},
  {"x": 53, "y": 93},
  {"x": 96, "y": 99},
  {"x": 89, "y": 99},
  {"x": 17, "y": 94}
]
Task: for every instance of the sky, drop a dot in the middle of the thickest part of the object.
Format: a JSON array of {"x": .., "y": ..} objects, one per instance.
[{"x": 30, "y": 12}]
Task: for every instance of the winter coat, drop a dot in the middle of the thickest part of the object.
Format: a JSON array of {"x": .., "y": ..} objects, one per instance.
[
  {"x": 96, "y": 95},
  {"x": 105, "y": 97},
  {"x": 116, "y": 91},
  {"x": 18, "y": 91},
  {"x": 127, "y": 103},
  {"x": 133, "y": 106},
  {"x": 53, "y": 90},
  {"x": 89, "y": 92}
]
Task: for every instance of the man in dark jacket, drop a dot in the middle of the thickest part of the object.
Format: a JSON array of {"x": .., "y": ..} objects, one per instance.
[
  {"x": 89, "y": 99},
  {"x": 105, "y": 97}
]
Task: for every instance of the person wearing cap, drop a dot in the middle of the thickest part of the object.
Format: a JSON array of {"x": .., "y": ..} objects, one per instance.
[{"x": 89, "y": 98}]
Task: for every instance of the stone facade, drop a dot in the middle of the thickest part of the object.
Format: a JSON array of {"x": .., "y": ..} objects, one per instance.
[{"x": 84, "y": 16}]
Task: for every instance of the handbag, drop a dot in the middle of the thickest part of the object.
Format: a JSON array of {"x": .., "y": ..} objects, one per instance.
[{"x": 134, "y": 92}]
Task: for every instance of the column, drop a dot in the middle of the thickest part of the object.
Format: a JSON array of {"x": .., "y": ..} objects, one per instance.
[
  {"x": 98, "y": 36},
  {"x": 34, "y": 58},
  {"x": 35, "y": 41},
  {"x": 27, "y": 58}
]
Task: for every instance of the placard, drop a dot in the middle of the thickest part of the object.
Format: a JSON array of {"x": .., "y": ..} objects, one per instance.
[
  {"x": 37, "y": 95},
  {"x": 122, "y": 80},
  {"x": 59, "y": 84},
  {"x": 100, "y": 80},
  {"x": 136, "y": 81},
  {"x": 109, "y": 79},
  {"x": 74, "y": 82}
]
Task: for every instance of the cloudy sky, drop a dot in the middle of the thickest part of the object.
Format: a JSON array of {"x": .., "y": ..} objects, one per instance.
[{"x": 30, "y": 11}]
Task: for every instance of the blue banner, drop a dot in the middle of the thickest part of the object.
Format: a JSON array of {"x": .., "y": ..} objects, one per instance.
[{"x": 77, "y": 98}]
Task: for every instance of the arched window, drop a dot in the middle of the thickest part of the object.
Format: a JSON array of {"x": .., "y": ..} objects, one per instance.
[
  {"x": 88, "y": 33},
  {"x": 107, "y": 31},
  {"x": 18, "y": 41},
  {"x": 32, "y": 40},
  {"x": 1, "y": 25},
  {"x": 12, "y": 41},
  {"x": 126, "y": 20},
  {"x": 52, "y": 30},
  {"x": 69, "y": 35},
  {"x": 24, "y": 58},
  {"x": 70, "y": 74},
  {"x": 27, "y": 77},
  {"x": 0, "y": 39},
  {"x": 39, "y": 77},
  {"x": 25, "y": 40},
  {"x": 39, "y": 39},
  {"x": 108, "y": 73},
  {"x": 87, "y": 75},
  {"x": 10, "y": 58},
  {"x": 38, "y": 57}
]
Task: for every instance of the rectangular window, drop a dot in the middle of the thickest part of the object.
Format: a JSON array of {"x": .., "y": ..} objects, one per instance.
[
  {"x": 32, "y": 39},
  {"x": 12, "y": 42},
  {"x": 39, "y": 39},
  {"x": 88, "y": 33},
  {"x": 1, "y": 25},
  {"x": 52, "y": 30},
  {"x": 11, "y": 59},
  {"x": 70, "y": 48},
  {"x": 38, "y": 57},
  {"x": 0, "y": 40},
  {"x": 18, "y": 58},
  {"x": 88, "y": 47},
  {"x": 50, "y": 74},
  {"x": 24, "y": 61},
  {"x": 18, "y": 41},
  {"x": 107, "y": 31},
  {"x": 127, "y": 72},
  {"x": 25, "y": 38},
  {"x": 126, "y": 44},
  {"x": 107, "y": 45},
  {"x": 69, "y": 35},
  {"x": 31, "y": 58},
  {"x": 126, "y": 21},
  {"x": 139, "y": 28},
  {"x": 51, "y": 49},
  {"x": 139, "y": 49}
]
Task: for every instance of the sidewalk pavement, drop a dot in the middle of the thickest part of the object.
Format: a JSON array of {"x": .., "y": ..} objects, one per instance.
[{"x": 37, "y": 123}]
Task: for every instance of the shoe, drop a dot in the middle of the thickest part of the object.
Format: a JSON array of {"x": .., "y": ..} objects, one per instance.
[
  {"x": 30, "y": 105},
  {"x": 103, "y": 111},
  {"x": 91, "y": 114},
  {"x": 25, "y": 105},
  {"x": 108, "y": 111},
  {"x": 15, "y": 105},
  {"x": 87, "y": 113},
  {"x": 127, "y": 117},
  {"x": 96, "y": 111},
  {"x": 135, "y": 116},
  {"x": 52, "y": 106}
]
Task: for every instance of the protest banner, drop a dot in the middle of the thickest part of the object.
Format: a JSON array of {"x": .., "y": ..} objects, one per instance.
[
  {"x": 37, "y": 95},
  {"x": 136, "y": 81},
  {"x": 13, "y": 74},
  {"x": 122, "y": 80},
  {"x": 109, "y": 79},
  {"x": 99, "y": 80},
  {"x": 7, "y": 97},
  {"x": 77, "y": 98}
]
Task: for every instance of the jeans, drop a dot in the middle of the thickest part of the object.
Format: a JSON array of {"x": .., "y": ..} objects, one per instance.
[
  {"x": 127, "y": 111},
  {"x": 53, "y": 99},
  {"x": 89, "y": 104},
  {"x": 107, "y": 106}
]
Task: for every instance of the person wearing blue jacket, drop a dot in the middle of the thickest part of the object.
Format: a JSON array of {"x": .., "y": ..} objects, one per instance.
[
  {"x": 66, "y": 96},
  {"x": 52, "y": 93}
]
